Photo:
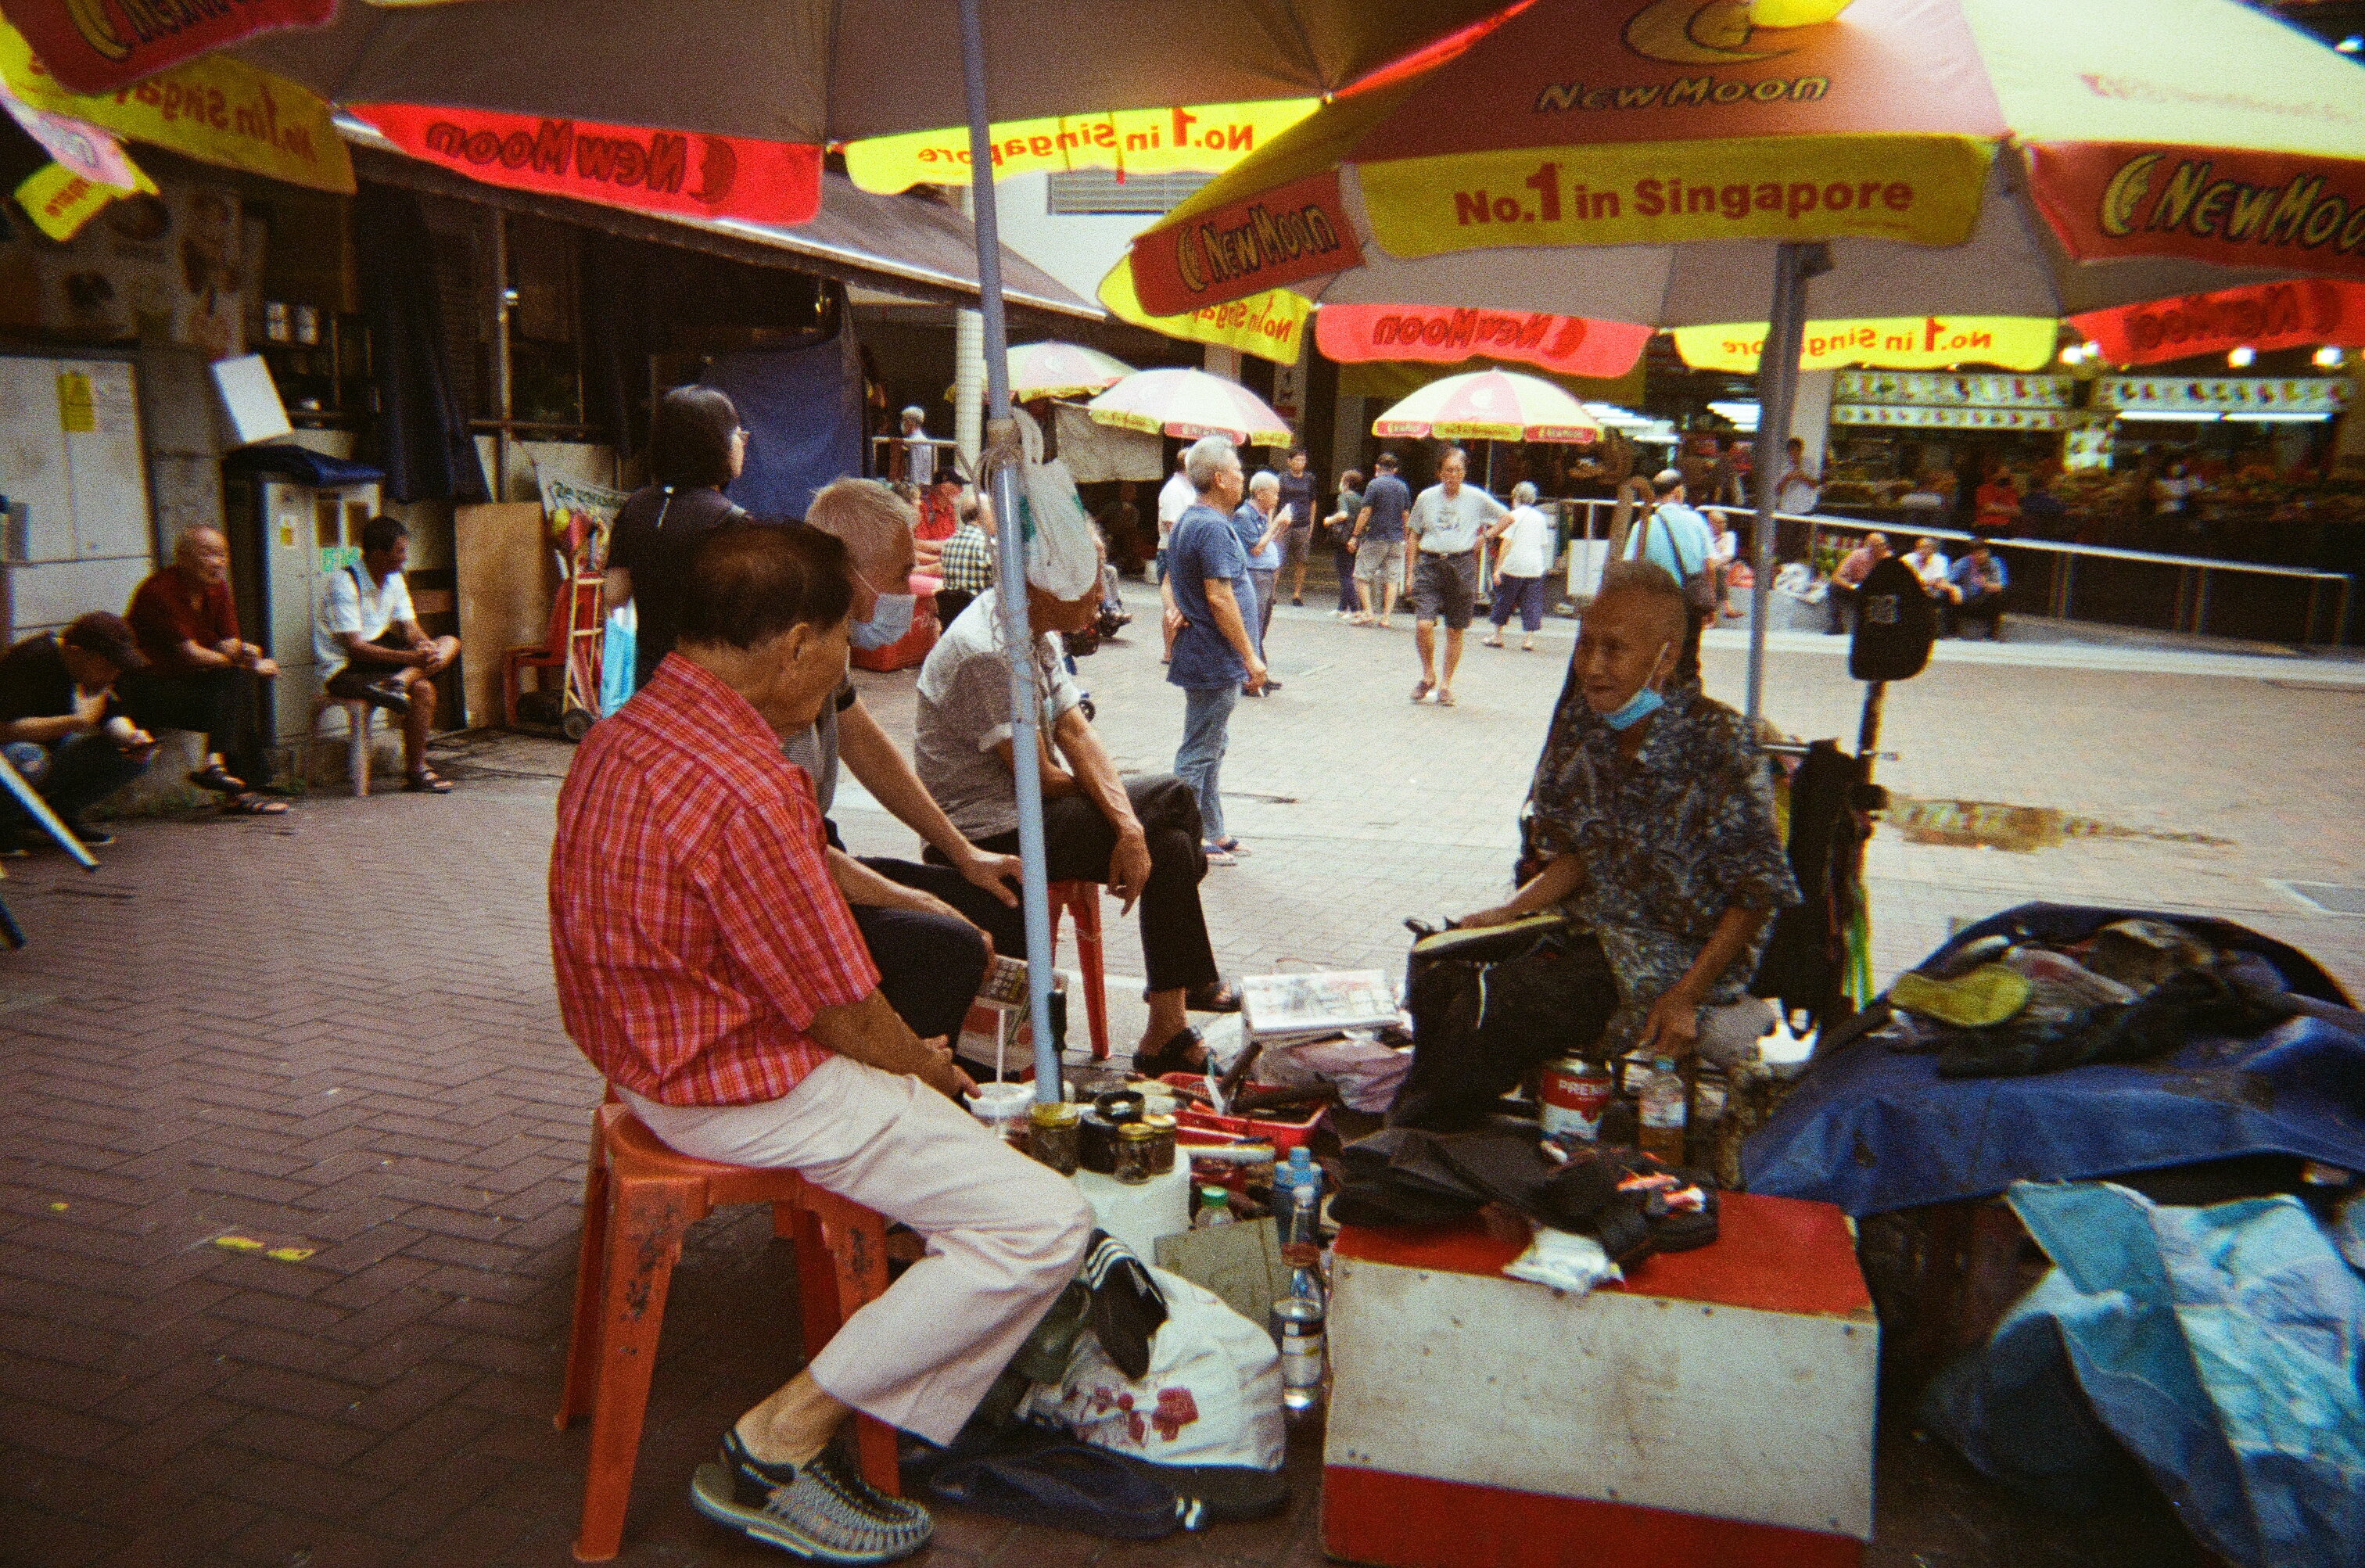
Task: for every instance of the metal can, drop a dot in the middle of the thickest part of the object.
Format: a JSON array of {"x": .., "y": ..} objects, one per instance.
[
  {"x": 1052, "y": 1129},
  {"x": 1133, "y": 1153},
  {"x": 1575, "y": 1091}
]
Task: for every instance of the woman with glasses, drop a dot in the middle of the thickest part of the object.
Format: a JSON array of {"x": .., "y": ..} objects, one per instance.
[{"x": 697, "y": 447}]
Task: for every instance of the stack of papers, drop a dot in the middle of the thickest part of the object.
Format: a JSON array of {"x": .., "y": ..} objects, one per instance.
[{"x": 1281, "y": 1008}]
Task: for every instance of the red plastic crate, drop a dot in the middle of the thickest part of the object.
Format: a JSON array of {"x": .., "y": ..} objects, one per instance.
[{"x": 1283, "y": 1135}]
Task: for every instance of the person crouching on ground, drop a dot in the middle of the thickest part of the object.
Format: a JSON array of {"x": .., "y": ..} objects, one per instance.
[
  {"x": 368, "y": 639},
  {"x": 710, "y": 969},
  {"x": 62, "y": 726},
  {"x": 1141, "y": 837},
  {"x": 1650, "y": 823}
]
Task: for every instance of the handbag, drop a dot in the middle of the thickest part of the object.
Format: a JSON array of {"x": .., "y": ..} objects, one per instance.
[{"x": 1699, "y": 587}]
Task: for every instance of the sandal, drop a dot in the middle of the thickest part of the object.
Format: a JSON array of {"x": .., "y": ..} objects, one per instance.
[
  {"x": 213, "y": 775},
  {"x": 1231, "y": 847},
  {"x": 1214, "y": 997},
  {"x": 1444, "y": 697},
  {"x": 427, "y": 781},
  {"x": 1421, "y": 690},
  {"x": 247, "y": 803},
  {"x": 1490, "y": 641},
  {"x": 1175, "y": 1055},
  {"x": 1218, "y": 856}
]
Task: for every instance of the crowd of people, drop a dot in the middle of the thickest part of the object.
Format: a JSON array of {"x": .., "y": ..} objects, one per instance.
[{"x": 759, "y": 996}]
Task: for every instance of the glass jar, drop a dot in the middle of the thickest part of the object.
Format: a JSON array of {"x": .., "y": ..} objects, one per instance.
[
  {"x": 1162, "y": 1142},
  {"x": 1052, "y": 1134},
  {"x": 1133, "y": 1153}
]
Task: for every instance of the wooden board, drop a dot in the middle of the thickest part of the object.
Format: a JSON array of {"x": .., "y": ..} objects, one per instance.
[
  {"x": 505, "y": 579},
  {"x": 1240, "y": 1263}
]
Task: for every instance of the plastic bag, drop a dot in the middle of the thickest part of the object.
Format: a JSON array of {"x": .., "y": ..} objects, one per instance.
[
  {"x": 1062, "y": 557},
  {"x": 616, "y": 655},
  {"x": 1565, "y": 1261}
]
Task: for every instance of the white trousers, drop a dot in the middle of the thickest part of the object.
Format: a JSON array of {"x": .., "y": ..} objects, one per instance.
[{"x": 1004, "y": 1235}]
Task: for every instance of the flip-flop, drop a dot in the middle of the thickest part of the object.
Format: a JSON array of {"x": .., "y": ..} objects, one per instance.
[
  {"x": 1444, "y": 697},
  {"x": 1421, "y": 690},
  {"x": 1231, "y": 847},
  {"x": 250, "y": 804},
  {"x": 213, "y": 775},
  {"x": 1218, "y": 856},
  {"x": 427, "y": 781}
]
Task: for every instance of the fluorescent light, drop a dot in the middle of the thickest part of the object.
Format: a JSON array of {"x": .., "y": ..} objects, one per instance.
[
  {"x": 1741, "y": 414},
  {"x": 2275, "y": 418},
  {"x": 2192, "y": 415},
  {"x": 2328, "y": 357},
  {"x": 2240, "y": 358}
]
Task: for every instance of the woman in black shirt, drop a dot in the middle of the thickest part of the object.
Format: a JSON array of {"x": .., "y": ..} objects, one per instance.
[{"x": 697, "y": 448}]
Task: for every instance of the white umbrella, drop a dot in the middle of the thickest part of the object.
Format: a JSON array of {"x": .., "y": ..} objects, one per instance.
[
  {"x": 1188, "y": 404},
  {"x": 1490, "y": 404}
]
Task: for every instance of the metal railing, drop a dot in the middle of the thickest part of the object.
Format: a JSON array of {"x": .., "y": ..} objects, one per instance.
[{"x": 2188, "y": 608}]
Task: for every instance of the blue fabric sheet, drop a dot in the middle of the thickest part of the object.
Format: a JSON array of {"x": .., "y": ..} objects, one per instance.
[
  {"x": 2220, "y": 1346},
  {"x": 1873, "y": 1130},
  {"x": 802, "y": 410}
]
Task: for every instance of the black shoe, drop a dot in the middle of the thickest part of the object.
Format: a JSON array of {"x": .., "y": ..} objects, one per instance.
[{"x": 387, "y": 693}]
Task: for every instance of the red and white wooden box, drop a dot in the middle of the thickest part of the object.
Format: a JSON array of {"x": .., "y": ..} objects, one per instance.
[{"x": 1715, "y": 1410}]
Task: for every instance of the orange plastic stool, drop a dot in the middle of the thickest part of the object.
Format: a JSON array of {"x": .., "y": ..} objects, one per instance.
[
  {"x": 1083, "y": 902},
  {"x": 639, "y": 1197}
]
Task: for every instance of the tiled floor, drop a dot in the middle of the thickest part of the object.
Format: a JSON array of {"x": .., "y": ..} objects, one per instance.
[{"x": 334, "y": 1034}]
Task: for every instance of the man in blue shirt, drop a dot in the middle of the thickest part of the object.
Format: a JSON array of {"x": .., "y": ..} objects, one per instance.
[
  {"x": 1975, "y": 589},
  {"x": 1675, "y": 537},
  {"x": 1214, "y": 660},
  {"x": 1379, "y": 541},
  {"x": 1258, "y": 522}
]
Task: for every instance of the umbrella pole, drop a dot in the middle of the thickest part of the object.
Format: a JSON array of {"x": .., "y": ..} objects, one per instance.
[
  {"x": 1778, "y": 390},
  {"x": 1000, "y": 435}
]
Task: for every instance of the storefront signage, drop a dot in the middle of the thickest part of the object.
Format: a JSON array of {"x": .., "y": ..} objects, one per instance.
[
  {"x": 678, "y": 175},
  {"x": 1910, "y": 416},
  {"x": 216, "y": 110},
  {"x": 1953, "y": 391},
  {"x": 1204, "y": 137},
  {"x": 2228, "y": 395},
  {"x": 61, "y": 201},
  {"x": 93, "y": 47},
  {"x": 2107, "y": 201},
  {"x": 1899, "y": 342},
  {"x": 1271, "y": 325},
  {"x": 1570, "y": 345},
  {"x": 2297, "y": 314}
]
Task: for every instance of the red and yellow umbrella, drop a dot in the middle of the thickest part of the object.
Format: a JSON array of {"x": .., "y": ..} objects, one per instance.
[{"x": 1489, "y": 405}]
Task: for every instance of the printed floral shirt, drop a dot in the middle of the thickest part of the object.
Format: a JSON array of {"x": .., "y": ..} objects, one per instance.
[{"x": 1670, "y": 841}]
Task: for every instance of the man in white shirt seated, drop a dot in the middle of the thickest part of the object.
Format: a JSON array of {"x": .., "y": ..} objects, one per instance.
[{"x": 369, "y": 639}]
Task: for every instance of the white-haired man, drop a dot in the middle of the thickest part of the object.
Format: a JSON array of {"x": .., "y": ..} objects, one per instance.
[
  {"x": 1445, "y": 526},
  {"x": 915, "y": 460},
  {"x": 1260, "y": 523},
  {"x": 1140, "y": 837},
  {"x": 1209, "y": 597}
]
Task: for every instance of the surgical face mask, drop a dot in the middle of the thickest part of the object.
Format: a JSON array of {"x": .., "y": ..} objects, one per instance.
[
  {"x": 890, "y": 618},
  {"x": 1643, "y": 703}
]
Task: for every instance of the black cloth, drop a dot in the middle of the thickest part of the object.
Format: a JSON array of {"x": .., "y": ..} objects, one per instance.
[
  {"x": 1987, "y": 606},
  {"x": 1896, "y": 620},
  {"x": 1806, "y": 957},
  {"x": 35, "y": 683},
  {"x": 1479, "y": 1028},
  {"x": 651, "y": 539},
  {"x": 1077, "y": 844},
  {"x": 429, "y": 453},
  {"x": 1297, "y": 493},
  {"x": 929, "y": 965},
  {"x": 950, "y": 602},
  {"x": 226, "y": 704}
]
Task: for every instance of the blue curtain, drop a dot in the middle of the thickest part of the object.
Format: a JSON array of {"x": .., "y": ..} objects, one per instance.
[
  {"x": 423, "y": 433},
  {"x": 803, "y": 408}
]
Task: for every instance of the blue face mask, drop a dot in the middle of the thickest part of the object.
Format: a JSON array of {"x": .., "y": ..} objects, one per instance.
[
  {"x": 890, "y": 618},
  {"x": 1640, "y": 706}
]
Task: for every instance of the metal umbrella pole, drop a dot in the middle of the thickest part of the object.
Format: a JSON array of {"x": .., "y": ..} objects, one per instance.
[
  {"x": 1778, "y": 390},
  {"x": 999, "y": 456}
]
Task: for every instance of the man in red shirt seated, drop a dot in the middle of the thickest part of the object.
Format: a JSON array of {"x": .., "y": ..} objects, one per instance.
[
  {"x": 708, "y": 965},
  {"x": 201, "y": 674}
]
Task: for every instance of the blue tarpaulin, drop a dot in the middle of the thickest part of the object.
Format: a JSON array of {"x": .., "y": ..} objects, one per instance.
[
  {"x": 1873, "y": 1130},
  {"x": 802, "y": 410},
  {"x": 2221, "y": 1347}
]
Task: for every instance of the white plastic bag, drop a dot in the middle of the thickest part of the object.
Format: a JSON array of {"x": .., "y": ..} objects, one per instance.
[
  {"x": 1564, "y": 1261},
  {"x": 1212, "y": 1394},
  {"x": 1062, "y": 557}
]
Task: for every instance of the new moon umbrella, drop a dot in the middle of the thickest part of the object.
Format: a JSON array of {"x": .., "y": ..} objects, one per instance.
[
  {"x": 1188, "y": 404},
  {"x": 1489, "y": 405},
  {"x": 517, "y": 93},
  {"x": 1661, "y": 162},
  {"x": 1061, "y": 370}
]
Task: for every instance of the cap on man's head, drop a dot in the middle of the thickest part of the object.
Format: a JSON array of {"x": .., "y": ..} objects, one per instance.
[{"x": 108, "y": 636}]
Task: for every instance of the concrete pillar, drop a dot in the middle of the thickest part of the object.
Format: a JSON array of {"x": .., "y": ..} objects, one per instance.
[
  {"x": 1349, "y": 427},
  {"x": 1222, "y": 361},
  {"x": 1811, "y": 417}
]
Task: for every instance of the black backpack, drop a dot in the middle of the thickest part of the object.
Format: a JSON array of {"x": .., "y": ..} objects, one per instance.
[{"x": 1896, "y": 621}]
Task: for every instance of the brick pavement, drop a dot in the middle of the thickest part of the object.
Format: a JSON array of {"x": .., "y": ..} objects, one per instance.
[{"x": 335, "y": 1031}]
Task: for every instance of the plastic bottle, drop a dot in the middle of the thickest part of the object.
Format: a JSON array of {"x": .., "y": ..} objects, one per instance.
[
  {"x": 1215, "y": 1208},
  {"x": 1662, "y": 1111},
  {"x": 1297, "y": 1205}
]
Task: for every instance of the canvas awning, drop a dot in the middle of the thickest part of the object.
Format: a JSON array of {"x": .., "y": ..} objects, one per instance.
[{"x": 903, "y": 245}]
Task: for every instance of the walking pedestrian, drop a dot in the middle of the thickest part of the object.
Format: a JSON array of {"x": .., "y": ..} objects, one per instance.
[
  {"x": 1259, "y": 522},
  {"x": 1340, "y": 526},
  {"x": 1379, "y": 541},
  {"x": 1520, "y": 563},
  {"x": 1441, "y": 577},
  {"x": 1207, "y": 590},
  {"x": 1174, "y": 499},
  {"x": 1299, "y": 486}
]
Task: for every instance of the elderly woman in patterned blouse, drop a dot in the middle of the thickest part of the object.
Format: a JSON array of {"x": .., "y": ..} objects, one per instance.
[{"x": 1650, "y": 821}]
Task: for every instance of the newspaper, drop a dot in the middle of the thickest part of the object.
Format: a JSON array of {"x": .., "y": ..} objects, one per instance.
[{"x": 1309, "y": 1006}]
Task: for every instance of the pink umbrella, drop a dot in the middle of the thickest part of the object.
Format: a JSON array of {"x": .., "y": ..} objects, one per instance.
[
  {"x": 1188, "y": 404},
  {"x": 1490, "y": 404}
]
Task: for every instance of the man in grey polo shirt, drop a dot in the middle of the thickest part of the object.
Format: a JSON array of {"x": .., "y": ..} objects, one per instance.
[{"x": 1445, "y": 529}]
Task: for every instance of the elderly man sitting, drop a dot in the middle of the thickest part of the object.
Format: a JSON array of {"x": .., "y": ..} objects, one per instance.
[
  {"x": 1650, "y": 824},
  {"x": 710, "y": 969},
  {"x": 1141, "y": 838}
]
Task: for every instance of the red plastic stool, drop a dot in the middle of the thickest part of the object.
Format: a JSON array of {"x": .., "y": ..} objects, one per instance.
[
  {"x": 1083, "y": 902},
  {"x": 639, "y": 1197}
]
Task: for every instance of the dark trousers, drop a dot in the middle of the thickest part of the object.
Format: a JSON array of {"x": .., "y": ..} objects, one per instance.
[
  {"x": 929, "y": 965},
  {"x": 1987, "y": 606},
  {"x": 1688, "y": 666},
  {"x": 1840, "y": 599},
  {"x": 1344, "y": 559},
  {"x": 223, "y": 703},
  {"x": 72, "y": 777},
  {"x": 1077, "y": 844}
]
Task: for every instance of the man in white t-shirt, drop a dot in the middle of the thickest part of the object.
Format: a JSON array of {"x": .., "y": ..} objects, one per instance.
[
  {"x": 1177, "y": 497},
  {"x": 369, "y": 641},
  {"x": 1447, "y": 523}
]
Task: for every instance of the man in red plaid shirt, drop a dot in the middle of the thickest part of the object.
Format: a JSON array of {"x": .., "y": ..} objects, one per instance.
[{"x": 709, "y": 966}]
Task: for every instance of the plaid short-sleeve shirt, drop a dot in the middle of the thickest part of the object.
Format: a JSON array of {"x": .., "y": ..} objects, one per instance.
[{"x": 694, "y": 923}]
